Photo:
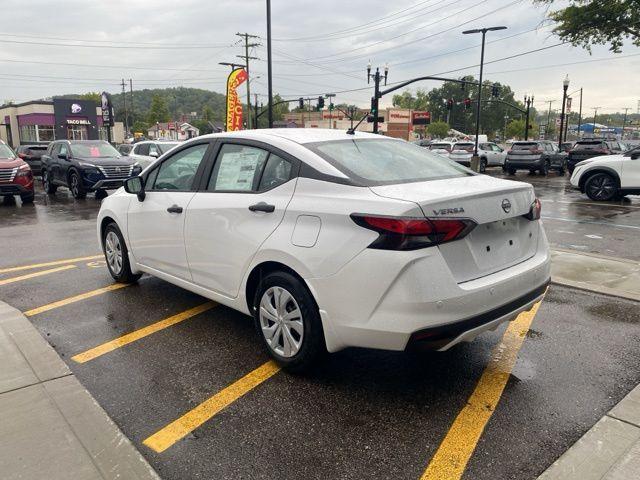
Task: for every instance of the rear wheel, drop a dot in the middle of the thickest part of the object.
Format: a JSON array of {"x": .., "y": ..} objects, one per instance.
[
  {"x": 48, "y": 187},
  {"x": 512, "y": 171},
  {"x": 75, "y": 185},
  {"x": 561, "y": 171},
  {"x": 532, "y": 171},
  {"x": 601, "y": 187},
  {"x": 288, "y": 321},
  {"x": 117, "y": 255}
]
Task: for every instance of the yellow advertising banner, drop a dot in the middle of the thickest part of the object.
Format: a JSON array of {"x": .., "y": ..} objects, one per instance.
[{"x": 234, "y": 106}]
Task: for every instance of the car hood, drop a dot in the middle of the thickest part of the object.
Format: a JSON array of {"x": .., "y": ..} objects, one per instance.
[
  {"x": 106, "y": 161},
  {"x": 602, "y": 159},
  {"x": 11, "y": 162}
]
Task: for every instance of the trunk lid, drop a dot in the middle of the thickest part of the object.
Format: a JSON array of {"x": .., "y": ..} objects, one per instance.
[{"x": 502, "y": 237}]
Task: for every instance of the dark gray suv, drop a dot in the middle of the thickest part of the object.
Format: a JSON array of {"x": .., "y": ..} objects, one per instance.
[{"x": 535, "y": 156}]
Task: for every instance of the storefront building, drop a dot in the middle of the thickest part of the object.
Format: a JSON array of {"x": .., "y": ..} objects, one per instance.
[{"x": 41, "y": 121}]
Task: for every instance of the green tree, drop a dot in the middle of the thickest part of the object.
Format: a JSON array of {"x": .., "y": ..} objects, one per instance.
[
  {"x": 159, "y": 112},
  {"x": 587, "y": 22},
  {"x": 207, "y": 113},
  {"x": 407, "y": 100},
  {"x": 515, "y": 129},
  {"x": 95, "y": 96},
  {"x": 438, "y": 129},
  {"x": 142, "y": 127}
]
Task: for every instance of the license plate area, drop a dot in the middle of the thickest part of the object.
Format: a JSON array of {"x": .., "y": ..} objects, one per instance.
[{"x": 503, "y": 242}]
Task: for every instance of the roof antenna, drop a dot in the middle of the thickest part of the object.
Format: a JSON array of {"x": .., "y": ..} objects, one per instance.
[{"x": 352, "y": 130}]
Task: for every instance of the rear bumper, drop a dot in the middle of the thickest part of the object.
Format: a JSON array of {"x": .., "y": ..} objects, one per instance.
[
  {"x": 524, "y": 164},
  {"x": 386, "y": 299}
]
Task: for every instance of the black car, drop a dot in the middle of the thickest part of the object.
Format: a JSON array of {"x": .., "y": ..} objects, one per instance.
[
  {"x": 85, "y": 166},
  {"x": 589, "y": 148},
  {"x": 32, "y": 154},
  {"x": 537, "y": 155}
]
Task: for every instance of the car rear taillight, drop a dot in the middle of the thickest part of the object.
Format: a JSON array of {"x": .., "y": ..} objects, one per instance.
[
  {"x": 410, "y": 233},
  {"x": 534, "y": 211}
]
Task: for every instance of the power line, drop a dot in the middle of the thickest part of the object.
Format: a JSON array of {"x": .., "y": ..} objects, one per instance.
[
  {"x": 115, "y": 42},
  {"x": 140, "y": 47}
]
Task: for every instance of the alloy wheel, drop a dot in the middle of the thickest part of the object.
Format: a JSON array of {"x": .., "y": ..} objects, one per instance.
[
  {"x": 281, "y": 321},
  {"x": 74, "y": 184},
  {"x": 113, "y": 251},
  {"x": 602, "y": 187}
]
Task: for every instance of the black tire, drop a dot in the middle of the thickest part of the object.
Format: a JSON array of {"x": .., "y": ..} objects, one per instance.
[
  {"x": 512, "y": 171},
  {"x": 100, "y": 194},
  {"x": 532, "y": 171},
  {"x": 312, "y": 346},
  {"x": 483, "y": 165},
  {"x": 504, "y": 169},
  {"x": 601, "y": 187},
  {"x": 124, "y": 275},
  {"x": 28, "y": 198},
  {"x": 561, "y": 172},
  {"x": 48, "y": 187},
  {"x": 75, "y": 185},
  {"x": 545, "y": 169}
]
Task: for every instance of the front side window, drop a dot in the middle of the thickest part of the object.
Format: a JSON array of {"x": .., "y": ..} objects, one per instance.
[
  {"x": 178, "y": 172},
  {"x": 381, "y": 161},
  {"x": 238, "y": 168},
  {"x": 63, "y": 150},
  {"x": 142, "y": 149}
]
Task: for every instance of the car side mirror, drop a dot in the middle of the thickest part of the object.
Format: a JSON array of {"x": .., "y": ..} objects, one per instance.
[{"x": 135, "y": 185}]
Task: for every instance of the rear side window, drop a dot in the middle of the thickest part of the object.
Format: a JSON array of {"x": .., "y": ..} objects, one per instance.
[
  {"x": 385, "y": 162},
  {"x": 276, "y": 172}
]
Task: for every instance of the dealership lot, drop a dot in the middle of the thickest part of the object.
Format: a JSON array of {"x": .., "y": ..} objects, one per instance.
[{"x": 152, "y": 354}]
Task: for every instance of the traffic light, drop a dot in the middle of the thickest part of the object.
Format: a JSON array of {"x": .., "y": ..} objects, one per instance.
[
  {"x": 331, "y": 107},
  {"x": 467, "y": 103},
  {"x": 301, "y": 103},
  {"x": 374, "y": 107},
  {"x": 495, "y": 90},
  {"x": 450, "y": 104},
  {"x": 320, "y": 103}
]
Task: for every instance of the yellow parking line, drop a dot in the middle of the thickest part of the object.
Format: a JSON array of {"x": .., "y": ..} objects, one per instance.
[
  {"x": 141, "y": 333},
  {"x": 48, "y": 264},
  {"x": 451, "y": 458},
  {"x": 167, "y": 436},
  {"x": 76, "y": 298},
  {"x": 35, "y": 274}
]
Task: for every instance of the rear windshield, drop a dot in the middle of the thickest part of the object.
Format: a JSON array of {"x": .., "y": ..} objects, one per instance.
[
  {"x": 524, "y": 146},
  {"x": 464, "y": 145},
  {"x": 94, "y": 149},
  {"x": 384, "y": 162},
  {"x": 592, "y": 145},
  {"x": 6, "y": 152},
  {"x": 446, "y": 146}
]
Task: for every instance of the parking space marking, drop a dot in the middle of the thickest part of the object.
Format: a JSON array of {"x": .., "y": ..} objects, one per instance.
[
  {"x": 76, "y": 298},
  {"x": 141, "y": 333},
  {"x": 167, "y": 436},
  {"x": 49, "y": 264},
  {"x": 451, "y": 458},
  {"x": 35, "y": 274}
]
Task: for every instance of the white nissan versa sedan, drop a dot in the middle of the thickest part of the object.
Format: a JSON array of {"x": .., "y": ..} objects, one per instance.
[{"x": 331, "y": 239}]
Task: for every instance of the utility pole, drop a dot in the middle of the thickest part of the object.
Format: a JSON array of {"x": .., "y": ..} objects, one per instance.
[
  {"x": 376, "y": 91},
  {"x": 549, "y": 116},
  {"x": 255, "y": 108},
  {"x": 580, "y": 116},
  {"x": 269, "y": 72},
  {"x": 595, "y": 116},
  {"x": 246, "y": 58},
  {"x": 131, "y": 102},
  {"x": 624, "y": 122},
  {"x": 565, "y": 86},
  {"x": 126, "y": 114}
]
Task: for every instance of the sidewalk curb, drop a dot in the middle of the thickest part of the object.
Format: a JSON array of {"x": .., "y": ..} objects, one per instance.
[
  {"x": 52, "y": 427},
  {"x": 610, "y": 450},
  {"x": 609, "y": 292}
]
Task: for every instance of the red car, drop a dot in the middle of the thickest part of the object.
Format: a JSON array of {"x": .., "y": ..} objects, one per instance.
[{"x": 16, "y": 177}]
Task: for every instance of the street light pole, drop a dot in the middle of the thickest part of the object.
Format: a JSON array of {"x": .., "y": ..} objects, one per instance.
[
  {"x": 565, "y": 86},
  {"x": 484, "y": 34},
  {"x": 376, "y": 91},
  {"x": 528, "y": 100}
]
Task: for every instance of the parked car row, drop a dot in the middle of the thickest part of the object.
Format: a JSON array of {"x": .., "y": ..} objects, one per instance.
[{"x": 490, "y": 153}]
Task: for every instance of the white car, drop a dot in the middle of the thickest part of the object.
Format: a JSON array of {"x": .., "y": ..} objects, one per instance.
[
  {"x": 608, "y": 177},
  {"x": 490, "y": 154},
  {"x": 332, "y": 240},
  {"x": 441, "y": 147},
  {"x": 147, "y": 151}
]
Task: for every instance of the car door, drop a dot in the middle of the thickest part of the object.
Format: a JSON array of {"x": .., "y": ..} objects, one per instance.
[
  {"x": 499, "y": 154},
  {"x": 630, "y": 163},
  {"x": 52, "y": 161},
  {"x": 156, "y": 224},
  {"x": 242, "y": 203},
  {"x": 62, "y": 162}
]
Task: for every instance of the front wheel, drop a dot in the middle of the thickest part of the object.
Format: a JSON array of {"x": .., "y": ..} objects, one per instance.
[
  {"x": 75, "y": 185},
  {"x": 601, "y": 187},
  {"x": 117, "y": 255},
  {"x": 28, "y": 198},
  {"x": 288, "y": 321},
  {"x": 512, "y": 171},
  {"x": 48, "y": 187}
]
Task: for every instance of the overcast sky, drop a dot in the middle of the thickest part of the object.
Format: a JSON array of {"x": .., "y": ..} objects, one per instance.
[{"x": 318, "y": 47}]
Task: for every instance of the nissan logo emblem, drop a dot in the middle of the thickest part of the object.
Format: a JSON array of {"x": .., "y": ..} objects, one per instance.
[{"x": 506, "y": 205}]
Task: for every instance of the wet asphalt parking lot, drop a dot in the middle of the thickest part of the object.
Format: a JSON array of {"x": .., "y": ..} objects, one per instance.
[{"x": 363, "y": 413}]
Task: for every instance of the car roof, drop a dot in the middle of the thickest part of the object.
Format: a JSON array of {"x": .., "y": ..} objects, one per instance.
[{"x": 297, "y": 135}]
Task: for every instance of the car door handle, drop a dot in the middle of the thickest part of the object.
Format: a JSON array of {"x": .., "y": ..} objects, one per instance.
[
  {"x": 174, "y": 209},
  {"x": 262, "y": 207}
]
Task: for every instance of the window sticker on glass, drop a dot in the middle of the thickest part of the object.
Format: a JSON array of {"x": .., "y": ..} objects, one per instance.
[{"x": 238, "y": 169}]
